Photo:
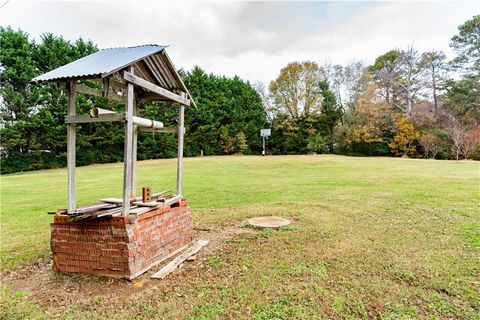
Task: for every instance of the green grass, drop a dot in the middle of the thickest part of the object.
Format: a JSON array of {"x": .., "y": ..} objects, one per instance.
[{"x": 375, "y": 238}]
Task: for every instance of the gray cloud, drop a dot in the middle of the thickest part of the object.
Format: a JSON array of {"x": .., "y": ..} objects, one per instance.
[{"x": 251, "y": 39}]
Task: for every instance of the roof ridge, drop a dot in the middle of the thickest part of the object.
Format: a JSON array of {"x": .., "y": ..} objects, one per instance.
[{"x": 138, "y": 46}]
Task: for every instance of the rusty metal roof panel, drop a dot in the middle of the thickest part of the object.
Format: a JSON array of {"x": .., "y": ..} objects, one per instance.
[{"x": 100, "y": 63}]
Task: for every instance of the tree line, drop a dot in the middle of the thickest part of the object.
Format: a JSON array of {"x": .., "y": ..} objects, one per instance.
[
  {"x": 33, "y": 133},
  {"x": 406, "y": 103}
]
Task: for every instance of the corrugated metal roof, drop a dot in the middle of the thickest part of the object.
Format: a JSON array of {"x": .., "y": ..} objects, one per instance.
[{"x": 100, "y": 63}]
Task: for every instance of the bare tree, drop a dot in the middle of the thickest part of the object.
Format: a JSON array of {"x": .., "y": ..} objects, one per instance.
[
  {"x": 266, "y": 101},
  {"x": 436, "y": 74},
  {"x": 457, "y": 135},
  {"x": 353, "y": 74},
  {"x": 411, "y": 70},
  {"x": 431, "y": 145}
]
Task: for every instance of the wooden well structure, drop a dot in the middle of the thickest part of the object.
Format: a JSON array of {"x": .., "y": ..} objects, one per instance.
[{"x": 136, "y": 76}]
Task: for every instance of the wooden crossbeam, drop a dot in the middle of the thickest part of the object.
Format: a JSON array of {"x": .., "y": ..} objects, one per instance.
[
  {"x": 161, "y": 130},
  {"x": 129, "y": 77},
  {"x": 99, "y": 93},
  {"x": 107, "y": 117}
]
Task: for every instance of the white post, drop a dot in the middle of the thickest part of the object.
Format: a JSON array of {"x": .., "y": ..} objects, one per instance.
[
  {"x": 134, "y": 154},
  {"x": 71, "y": 145},
  {"x": 263, "y": 152},
  {"x": 181, "y": 131},
  {"x": 128, "y": 149}
]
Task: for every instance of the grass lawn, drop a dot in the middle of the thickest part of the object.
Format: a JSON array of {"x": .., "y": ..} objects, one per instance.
[{"x": 374, "y": 238}]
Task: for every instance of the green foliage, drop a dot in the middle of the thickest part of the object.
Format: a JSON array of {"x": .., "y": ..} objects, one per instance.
[
  {"x": 317, "y": 144},
  {"x": 463, "y": 98},
  {"x": 467, "y": 44},
  {"x": 308, "y": 131},
  {"x": 240, "y": 144},
  {"x": 226, "y": 107},
  {"x": 229, "y": 112}
]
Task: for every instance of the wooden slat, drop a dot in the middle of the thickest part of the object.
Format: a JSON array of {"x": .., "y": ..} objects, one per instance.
[
  {"x": 120, "y": 201},
  {"x": 71, "y": 145},
  {"x": 172, "y": 265},
  {"x": 161, "y": 130},
  {"x": 133, "y": 187},
  {"x": 114, "y": 83},
  {"x": 147, "y": 204},
  {"x": 154, "y": 88},
  {"x": 172, "y": 200},
  {"x": 164, "y": 56},
  {"x": 112, "y": 200},
  {"x": 142, "y": 70},
  {"x": 140, "y": 210},
  {"x": 108, "y": 117},
  {"x": 156, "y": 73},
  {"x": 98, "y": 93},
  {"x": 165, "y": 72},
  {"x": 172, "y": 254},
  {"x": 128, "y": 149},
  {"x": 181, "y": 111},
  {"x": 149, "y": 97},
  {"x": 96, "y": 207}
]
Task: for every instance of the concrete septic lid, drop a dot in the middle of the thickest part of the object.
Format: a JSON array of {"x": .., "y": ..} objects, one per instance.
[{"x": 269, "y": 222}]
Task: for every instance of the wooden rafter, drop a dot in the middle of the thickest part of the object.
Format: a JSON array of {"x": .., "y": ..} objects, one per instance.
[{"x": 129, "y": 77}]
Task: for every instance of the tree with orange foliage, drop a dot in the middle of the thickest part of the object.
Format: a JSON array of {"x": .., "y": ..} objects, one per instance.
[
  {"x": 370, "y": 123},
  {"x": 369, "y": 117},
  {"x": 403, "y": 142}
]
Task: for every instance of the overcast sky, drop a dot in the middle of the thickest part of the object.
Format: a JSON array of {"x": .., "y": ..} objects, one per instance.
[{"x": 251, "y": 39}]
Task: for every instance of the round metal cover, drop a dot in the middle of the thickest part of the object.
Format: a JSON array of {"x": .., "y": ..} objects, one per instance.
[{"x": 269, "y": 222}]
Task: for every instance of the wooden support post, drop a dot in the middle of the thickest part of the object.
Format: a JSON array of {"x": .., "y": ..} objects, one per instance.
[
  {"x": 128, "y": 149},
  {"x": 133, "y": 190},
  {"x": 181, "y": 131},
  {"x": 71, "y": 145}
]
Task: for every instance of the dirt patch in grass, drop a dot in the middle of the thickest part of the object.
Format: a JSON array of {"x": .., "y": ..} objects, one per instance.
[{"x": 50, "y": 289}]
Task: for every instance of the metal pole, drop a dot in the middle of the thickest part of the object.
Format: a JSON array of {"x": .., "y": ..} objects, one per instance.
[{"x": 263, "y": 152}]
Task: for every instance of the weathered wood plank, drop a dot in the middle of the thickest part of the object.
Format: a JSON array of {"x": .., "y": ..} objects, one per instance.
[
  {"x": 157, "y": 262},
  {"x": 118, "y": 200},
  {"x": 108, "y": 117},
  {"x": 159, "y": 130},
  {"x": 164, "y": 56},
  {"x": 71, "y": 146},
  {"x": 127, "y": 163},
  {"x": 129, "y": 77},
  {"x": 147, "y": 204},
  {"x": 99, "y": 93},
  {"x": 172, "y": 200},
  {"x": 172, "y": 265},
  {"x": 181, "y": 124},
  {"x": 133, "y": 187}
]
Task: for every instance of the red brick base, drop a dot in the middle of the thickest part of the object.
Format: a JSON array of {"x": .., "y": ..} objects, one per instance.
[{"x": 119, "y": 248}]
